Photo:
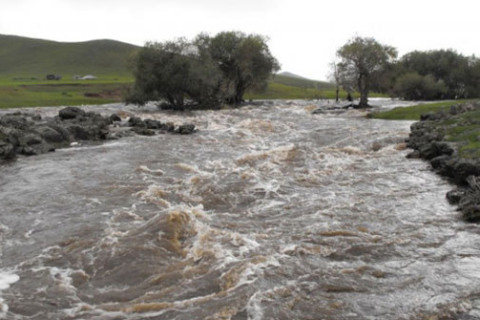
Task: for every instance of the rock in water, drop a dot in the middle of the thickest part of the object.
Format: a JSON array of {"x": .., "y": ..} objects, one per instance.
[
  {"x": 186, "y": 129},
  {"x": 70, "y": 113}
]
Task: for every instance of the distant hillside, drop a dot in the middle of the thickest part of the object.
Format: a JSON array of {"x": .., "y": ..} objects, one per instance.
[
  {"x": 291, "y": 75},
  {"x": 293, "y": 80},
  {"x": 26, "y": 57}
]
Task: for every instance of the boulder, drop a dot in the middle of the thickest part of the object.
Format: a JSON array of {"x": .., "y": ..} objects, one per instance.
[
  {"x": 7, "y": 150},
  {"x": 153, "y": 124},
  {"x": 143, "y": 131},
  {"x": 71, "y": 113},
  {"x": 440, "y": 161},
  {"x": 115, "y": 118},
  {"x": 471, "y": 213},
  {"x": 16, "y": 121},
  {"x": 186, "y": 129},
  {"x": 51, "y": 134},
  {"x": 464, "y": 168},
  {"x": 454, "y": 196},
  {"x": 136, "y": 122}
]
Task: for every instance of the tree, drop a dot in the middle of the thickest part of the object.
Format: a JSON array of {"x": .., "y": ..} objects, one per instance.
[
  {"x": 335, "y": 78},
  {"x": 360, "y": 59},
  {"x": 174, "y": 71},
  {"x": 204, "y": 72},
  {"x": 245, "y": 61}
]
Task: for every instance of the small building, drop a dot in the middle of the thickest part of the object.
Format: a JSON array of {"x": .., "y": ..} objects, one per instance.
[
  {"x": 53, "y": 77},
  {"x": 88, "y": 77}
]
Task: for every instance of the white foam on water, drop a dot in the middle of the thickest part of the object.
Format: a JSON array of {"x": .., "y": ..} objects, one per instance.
[{"x": 6, "y": 280}]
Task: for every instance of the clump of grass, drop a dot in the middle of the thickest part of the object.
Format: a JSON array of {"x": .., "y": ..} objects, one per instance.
[{"x": 465, "y": 131}]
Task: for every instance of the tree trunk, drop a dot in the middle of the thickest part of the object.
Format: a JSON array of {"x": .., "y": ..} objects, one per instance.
[
  {"x": 363, "y": 87},
  {"x": 336, "y": 94}
]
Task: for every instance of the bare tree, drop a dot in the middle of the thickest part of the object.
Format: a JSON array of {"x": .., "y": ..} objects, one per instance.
[{"x": 335, "y": 78}]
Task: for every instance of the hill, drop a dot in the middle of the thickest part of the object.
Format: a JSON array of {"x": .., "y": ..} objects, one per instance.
[
  {"x": 292, "y": 80},
  {"x": 291, "y": 75},
  {"x": 26, "y": 57}
]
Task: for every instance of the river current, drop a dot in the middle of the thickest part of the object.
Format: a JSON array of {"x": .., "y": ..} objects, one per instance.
[{"x": 267, "y": 212}]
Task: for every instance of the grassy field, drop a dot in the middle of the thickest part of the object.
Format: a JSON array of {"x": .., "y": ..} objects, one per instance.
[
  {"x": 277, "y": 90},
  {"x": 414, "y": 112},
  {"x": 64, "y": 94}
]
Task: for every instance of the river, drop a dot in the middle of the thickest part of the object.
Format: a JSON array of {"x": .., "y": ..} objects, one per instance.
[{"x": 267, "y": 212}]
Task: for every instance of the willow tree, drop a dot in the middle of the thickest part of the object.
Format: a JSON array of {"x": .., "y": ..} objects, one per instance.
[
  {"x": 245, "y": 61},
  {"x": 360, "y": 59},
  {"x": 205, "y": 72}
]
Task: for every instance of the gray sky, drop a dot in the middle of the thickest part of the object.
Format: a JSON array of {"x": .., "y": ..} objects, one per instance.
[{"x": 304, "y": 34}]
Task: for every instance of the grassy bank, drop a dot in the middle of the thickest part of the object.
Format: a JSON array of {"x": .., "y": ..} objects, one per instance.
[
  {"x": 414, "y": 112},
  {"x": 463, "y": 129}
]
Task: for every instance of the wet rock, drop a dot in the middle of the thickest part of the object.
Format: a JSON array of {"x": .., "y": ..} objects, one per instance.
[
  {"x": 471, "y": 213},
  {"x": 440, "y": 161},
  {"x": 464, "y": 168},
  {"x": 414, "y": 155},
  {"x": 432, "y": 116},
  {"x": 115, "y": 118},
  {"x": 7, "y": 151},
  {"x": 143, "y": 131},
  {"x": 31, "y": 139},
  {"x": 186, "y": 129},
  {"x": 51, "y": 135},
  {"x": 454, "y": 196},
  {"x": 153, "y": 124},
  {"x": 26, "y": 134},
  {"x": 27, "y": 151},
  {"x": 431, "y": 150},
  {"x": 70, "y": 113},
  {"x": 169, "y": 126},
  {"x": 16, "y": 121},
  {"x": 136, "y": 122},
  {"x": 319, "y": 111}
]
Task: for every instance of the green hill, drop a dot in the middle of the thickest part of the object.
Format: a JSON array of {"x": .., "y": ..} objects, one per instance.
[
  {"x": 22, "y": 57},
  {"x": 289, "y": 79}
]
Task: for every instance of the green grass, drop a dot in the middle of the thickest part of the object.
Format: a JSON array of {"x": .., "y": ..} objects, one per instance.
[
  {"x": 276, "y": 90},
  {"x": 464, "y": 130},
  {"x": 414, "y": 112},
  {"x": 61, "y": 94}
]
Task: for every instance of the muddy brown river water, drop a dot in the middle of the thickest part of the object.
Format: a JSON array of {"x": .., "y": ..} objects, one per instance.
[{"x": 267, "y": 212}]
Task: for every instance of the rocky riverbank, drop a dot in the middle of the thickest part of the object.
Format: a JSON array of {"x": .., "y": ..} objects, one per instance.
[
  {"x": 23, "y": 133},
  {"x": 449, "y": 141}
]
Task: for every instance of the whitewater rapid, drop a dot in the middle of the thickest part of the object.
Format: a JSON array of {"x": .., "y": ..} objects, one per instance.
[{"x": 267, "y": 212}]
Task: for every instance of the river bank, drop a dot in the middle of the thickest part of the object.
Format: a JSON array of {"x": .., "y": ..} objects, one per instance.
[{"x": 449, "y": 140}]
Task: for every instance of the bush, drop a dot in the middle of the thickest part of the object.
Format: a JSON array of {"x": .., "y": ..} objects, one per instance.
[{"x": 412, "y": 86}]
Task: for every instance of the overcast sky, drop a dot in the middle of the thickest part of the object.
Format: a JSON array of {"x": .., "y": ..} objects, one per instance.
[{"x": 304, "y": 34}]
